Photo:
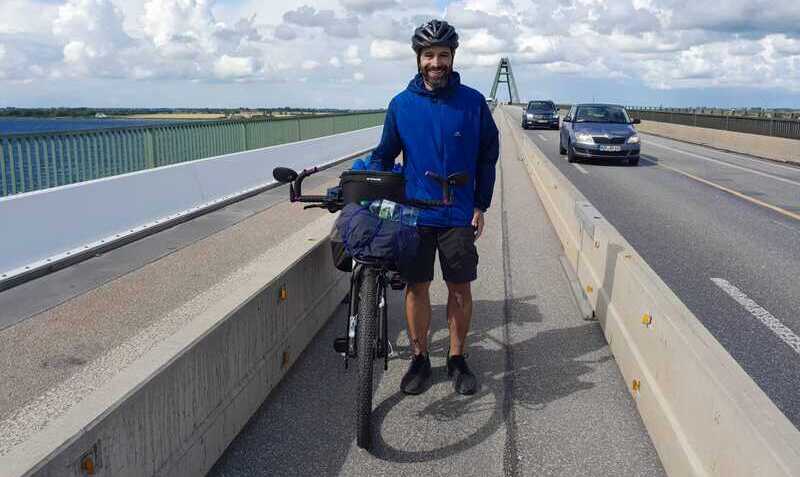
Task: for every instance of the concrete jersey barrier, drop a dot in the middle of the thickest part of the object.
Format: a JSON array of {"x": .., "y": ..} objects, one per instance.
[
  {"x": 175, "y": 410},
  {"x": 704, "y": 414}
]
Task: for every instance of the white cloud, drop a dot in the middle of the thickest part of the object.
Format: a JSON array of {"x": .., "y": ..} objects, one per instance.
[
  {"x": 782, "y": 45},
  {"x": 285, "y": 32},
  {"x": 187, "y": 24},
  {"x": 351, "y": 56},
  {"x": 484, "y": 42},
  {"x": 390, "y": 50},
  {"x": 228, "y": 67},
  {"x": 25, "y": 16},
  {"x": 663, "y": 44},
  {"x": 388, "y": 27},
  {"x": 77, "y": 52},
  {"x": 306, "y": 16},
  {"x": 358, "y": 76},
  {"x": 368, "y": 6}
]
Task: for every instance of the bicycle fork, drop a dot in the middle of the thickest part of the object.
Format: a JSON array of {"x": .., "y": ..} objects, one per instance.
[{"x": 346, "y": 346}]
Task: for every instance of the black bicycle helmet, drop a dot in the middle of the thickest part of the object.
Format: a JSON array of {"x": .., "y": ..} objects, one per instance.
[{"x": 434, "y": 33}]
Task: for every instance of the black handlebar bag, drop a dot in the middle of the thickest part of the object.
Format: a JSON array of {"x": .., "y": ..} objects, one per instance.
[
  {"x": 368, "y": 238},
  {"x": 358, "y": 186}
]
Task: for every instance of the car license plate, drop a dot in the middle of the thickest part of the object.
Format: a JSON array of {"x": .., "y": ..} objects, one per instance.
[
  {"x": 541, "y": 120},
  {"x": 611, "y": 148}
]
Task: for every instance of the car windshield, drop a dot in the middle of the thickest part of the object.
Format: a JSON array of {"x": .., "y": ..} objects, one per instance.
[
  {"x": 540, "y": 106},
  {"x": 601, "y": 114}
]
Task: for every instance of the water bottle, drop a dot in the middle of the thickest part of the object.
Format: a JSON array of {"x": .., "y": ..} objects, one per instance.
[
  {"x": 388, "y": 210},
  {"x": 409, "y": 216}
]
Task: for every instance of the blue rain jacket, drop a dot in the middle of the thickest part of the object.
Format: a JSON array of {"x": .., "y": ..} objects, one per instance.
[{"x": 446, "y": 131}]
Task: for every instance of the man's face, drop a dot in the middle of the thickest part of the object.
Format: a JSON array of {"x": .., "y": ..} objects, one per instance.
[{"x": 436, "y": 64}]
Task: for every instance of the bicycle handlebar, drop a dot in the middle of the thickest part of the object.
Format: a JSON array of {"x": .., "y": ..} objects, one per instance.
[{"x": 333, "y": 204}]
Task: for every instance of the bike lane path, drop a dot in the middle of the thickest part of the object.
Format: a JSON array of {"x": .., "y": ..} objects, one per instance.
[{"x": 551, "y": 398}]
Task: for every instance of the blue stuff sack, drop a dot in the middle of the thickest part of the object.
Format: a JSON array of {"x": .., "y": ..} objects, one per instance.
[{"x": 367, "y": 237}]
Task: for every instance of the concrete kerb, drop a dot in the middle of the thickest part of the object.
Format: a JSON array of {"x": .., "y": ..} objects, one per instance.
[
  {"x": 703, "y": 412},
  {"x": 174, "y": 411}
]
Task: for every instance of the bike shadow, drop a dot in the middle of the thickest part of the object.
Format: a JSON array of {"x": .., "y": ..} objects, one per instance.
[
  {"x": 522, "y": 366},
  {"x": 306, "y": 426}
]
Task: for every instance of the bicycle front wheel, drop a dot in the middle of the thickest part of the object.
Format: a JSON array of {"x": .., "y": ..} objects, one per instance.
[{"x": 366, "y": 330}]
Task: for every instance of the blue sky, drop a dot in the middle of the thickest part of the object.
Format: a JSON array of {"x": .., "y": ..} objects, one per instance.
[{"x": 355, "y": 53}]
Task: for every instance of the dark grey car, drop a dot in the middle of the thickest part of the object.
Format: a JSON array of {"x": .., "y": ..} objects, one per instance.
[
  {"x": 540, "y": 113},
  {"x": 599, "y": 131}
]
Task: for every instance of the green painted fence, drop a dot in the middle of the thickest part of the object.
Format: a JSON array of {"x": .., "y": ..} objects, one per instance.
[{"x": 37, "y": 161}]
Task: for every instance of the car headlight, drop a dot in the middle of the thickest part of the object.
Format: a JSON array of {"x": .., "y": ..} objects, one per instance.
[
  {"x": 633, "y": 139},
  {"x": 584, "y": 138},
  {"x": 530, "y": 116},
  {"x": 555, "y": 115}
]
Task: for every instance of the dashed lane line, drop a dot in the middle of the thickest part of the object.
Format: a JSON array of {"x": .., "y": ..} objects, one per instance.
[
  {"x": 734, "y": 166},
  {"x": 763, "y": 162},
  {"x": 781, "y": 331},
  {"x": 753, "y": 200},
  {"x": 580, "y": 168}
]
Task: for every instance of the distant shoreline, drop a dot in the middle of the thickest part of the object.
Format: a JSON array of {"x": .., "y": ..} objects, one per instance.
[{"x": 194, "y": 116}]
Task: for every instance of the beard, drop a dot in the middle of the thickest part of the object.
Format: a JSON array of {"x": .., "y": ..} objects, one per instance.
[{"x": 436, "y": 77}]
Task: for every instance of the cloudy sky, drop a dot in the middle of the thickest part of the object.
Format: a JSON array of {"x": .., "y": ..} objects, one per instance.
[{"x": 356, "y": 53}]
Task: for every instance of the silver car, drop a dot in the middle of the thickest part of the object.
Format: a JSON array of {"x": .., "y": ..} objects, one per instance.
[{"x": 599, "y": 131}]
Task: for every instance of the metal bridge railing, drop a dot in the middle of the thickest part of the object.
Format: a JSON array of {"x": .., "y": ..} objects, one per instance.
[
  {"x": 35, "y": 161},
  {"x": 765, "y": 126}
]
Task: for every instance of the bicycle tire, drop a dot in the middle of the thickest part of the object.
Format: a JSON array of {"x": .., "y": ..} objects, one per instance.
[{"x": 367, "y": 324}]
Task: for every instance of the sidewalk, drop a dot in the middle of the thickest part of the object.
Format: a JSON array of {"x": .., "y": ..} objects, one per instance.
[{"x": 551, "y": 401}]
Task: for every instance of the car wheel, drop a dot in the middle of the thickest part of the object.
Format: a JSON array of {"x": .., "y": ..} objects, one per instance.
[
  {"x": 571, "y": 154},
  {"x": 561, "y": 149},
  {"x": 634, "y": 161}
]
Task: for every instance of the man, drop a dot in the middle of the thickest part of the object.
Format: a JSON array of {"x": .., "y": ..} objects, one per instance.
[{"x": 444, "y": 127}]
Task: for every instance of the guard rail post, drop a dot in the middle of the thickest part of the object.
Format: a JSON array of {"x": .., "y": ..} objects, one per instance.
[
  {"x": 243, "y": 136},
  {"x": 3, "y": 187},
  {"x": 149, "y": 157}
]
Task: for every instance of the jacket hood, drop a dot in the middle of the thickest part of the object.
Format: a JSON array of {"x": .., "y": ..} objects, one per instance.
[{"x": 417, "y": 85}]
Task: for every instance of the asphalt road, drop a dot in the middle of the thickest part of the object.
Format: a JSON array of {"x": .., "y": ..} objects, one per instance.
[
  {"x": 723, "y": 231},
  {"x": 551, "y": 401}
]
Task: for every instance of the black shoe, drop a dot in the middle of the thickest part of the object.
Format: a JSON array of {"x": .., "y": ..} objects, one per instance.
[
  {"x": 464, "y": 381},
  {"x": 418, "y": 375}
]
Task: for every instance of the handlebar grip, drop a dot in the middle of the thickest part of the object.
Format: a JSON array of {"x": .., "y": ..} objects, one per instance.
[{"x": 312, "y": 198}]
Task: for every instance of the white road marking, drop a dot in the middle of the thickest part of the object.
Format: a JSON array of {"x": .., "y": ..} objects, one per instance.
[
  {"x": 728, "y": 190},
  {"x": 734, "y": 166},
  {"x": 762, "y": 315},
  {"x": 542, "y": 137},
  {"x": 580, "y": 168},
  {"x": 763, "y": 162},
  {"x": 784, "y": 225}
]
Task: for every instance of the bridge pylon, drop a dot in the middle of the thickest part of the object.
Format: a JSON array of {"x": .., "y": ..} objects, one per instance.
[{"x": 505, "y": 75}]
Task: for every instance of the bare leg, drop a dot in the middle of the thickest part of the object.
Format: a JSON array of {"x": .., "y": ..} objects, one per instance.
[
  {"x": 459, "y": 315},
  {"x": 418, "y": 315}
]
